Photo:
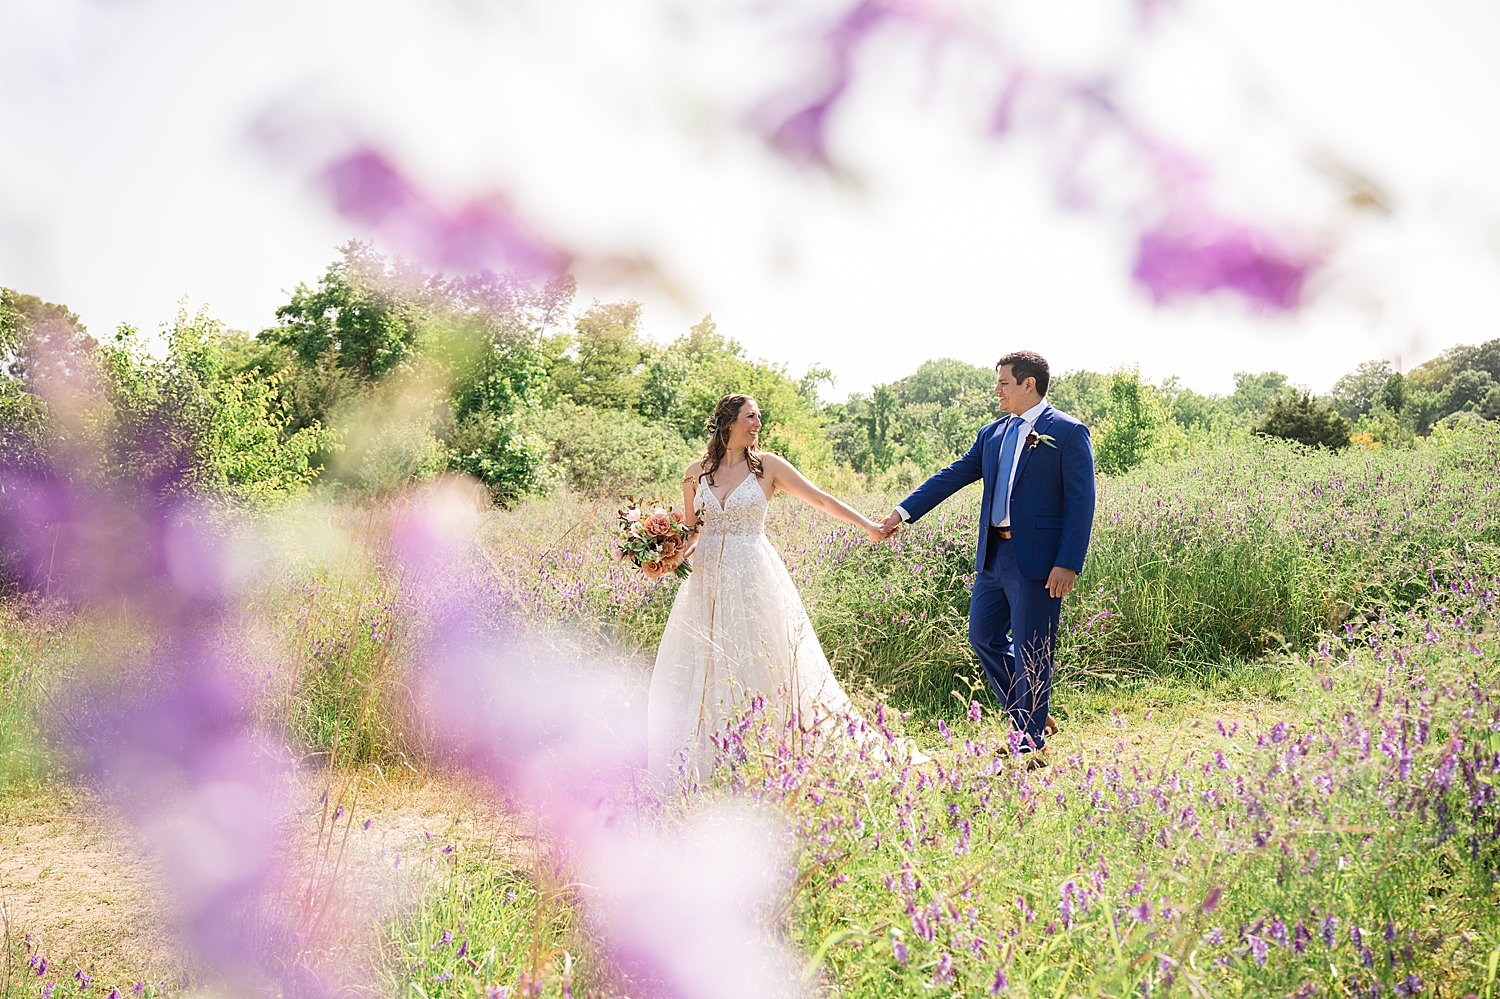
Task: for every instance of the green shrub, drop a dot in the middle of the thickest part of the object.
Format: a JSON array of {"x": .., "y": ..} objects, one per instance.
[
  {"x": 607, "y": 452},
  {"x": 1298, "y": 418}
]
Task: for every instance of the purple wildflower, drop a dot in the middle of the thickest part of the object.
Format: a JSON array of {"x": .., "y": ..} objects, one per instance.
[
  {"x": 1300, "y": 937},
  {"x": 48, "y": 989},
  {"x": 1330, "y": 927},
  {"x": 898, "y": 951},
  {"x": 1000, "y": 984},
  {"x": 1411, "y": 985},
  {"x": 1277, "y": 930},
  {"x": 943, "y": 973}
]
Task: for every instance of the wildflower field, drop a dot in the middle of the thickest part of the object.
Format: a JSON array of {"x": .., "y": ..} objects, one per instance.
[{"x": 1276, "y": 774}]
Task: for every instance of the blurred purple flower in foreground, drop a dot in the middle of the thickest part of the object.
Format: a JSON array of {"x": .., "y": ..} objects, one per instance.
[
  {"x": 481, "y": 233},
  {"x": 1187, "y": 255},
  {"x": 1201, "y": 255},
  {"x": 679, "y": 905}
]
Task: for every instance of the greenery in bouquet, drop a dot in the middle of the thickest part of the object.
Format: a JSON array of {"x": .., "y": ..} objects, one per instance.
[{"x": 658, "y": 541}]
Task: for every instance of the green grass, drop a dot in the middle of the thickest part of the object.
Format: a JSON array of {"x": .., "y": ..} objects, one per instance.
[
  {"x": 479, "y": 922},
  {"x": 1216, "y": 586}
]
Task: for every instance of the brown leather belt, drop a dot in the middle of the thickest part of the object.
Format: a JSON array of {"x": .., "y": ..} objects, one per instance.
[{"x": 1002, "y": 532}]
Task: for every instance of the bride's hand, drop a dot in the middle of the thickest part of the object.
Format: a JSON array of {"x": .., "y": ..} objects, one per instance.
[{"x": 875, "y": 531}]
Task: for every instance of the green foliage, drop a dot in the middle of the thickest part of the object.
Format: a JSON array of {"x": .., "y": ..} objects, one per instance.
[
  {"x": 499, "y": 451},
  {"x": 189, "y": 423},
  {"x": 1132, "y": 429},
  {"x": 1298, "y": 418},
  {"x": 474, "y": 921},
  {"x": 1082, "y": 394},
  {"x": 1255, "y": 394},
  {"x": 1354, "y": 394},
  {"x": 1196, "y": 564},
  {"x": 365, "y": 316},
  {"x": 923, "y": 421},
  {"x": 602, "y": 369},
  {"x": 602, "y": 452}
]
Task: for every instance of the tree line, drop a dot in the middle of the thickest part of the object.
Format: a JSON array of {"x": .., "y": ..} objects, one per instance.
[{"x": 381, "y": 373}]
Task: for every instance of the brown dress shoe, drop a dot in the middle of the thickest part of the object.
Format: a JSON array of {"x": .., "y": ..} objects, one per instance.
[{"x": 1050, "y": 728}]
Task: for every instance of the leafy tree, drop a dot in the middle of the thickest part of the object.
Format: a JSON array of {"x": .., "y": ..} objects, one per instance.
[
  {"x": 189, "y": 423},
  {"x": 1473, "y": 390},
  {"x": 1254, "y": 394},
  {"x": 1485, "y": 357},
  {"x": 1081, "y": 394},
  {"x": 1393, "y": 394},
  {"x": 1298, "y": 418},
  {"x": 365, "y": 316},
  {"x": 1189, "y": 409},
  {"x": 1430, "y": 376},
  {"x": 1356, "y": 392},
  {"x": 604, "y": 370},
  {"x": 1135, "y": 419},
  {"x": 944, "y": 380},
  {"x": 44, "y": 350}
]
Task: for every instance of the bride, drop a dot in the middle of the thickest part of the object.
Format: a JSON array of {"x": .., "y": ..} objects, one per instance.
[{"x": 738, "y": 627}]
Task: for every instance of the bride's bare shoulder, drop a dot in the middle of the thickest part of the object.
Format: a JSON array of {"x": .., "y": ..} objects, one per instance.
[
  {"x": 774, "y": 464},
  {"x": 693, "y": 471}
]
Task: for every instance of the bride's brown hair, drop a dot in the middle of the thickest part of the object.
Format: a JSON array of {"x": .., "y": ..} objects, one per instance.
[{"x": 726, "y": 412}]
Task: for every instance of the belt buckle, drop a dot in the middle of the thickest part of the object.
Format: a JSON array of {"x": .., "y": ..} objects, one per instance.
[{"x": 1004, "y": 533}]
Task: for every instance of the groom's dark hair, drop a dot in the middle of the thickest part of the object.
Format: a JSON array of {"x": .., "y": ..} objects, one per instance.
[{"x": 1026, "y": 364}]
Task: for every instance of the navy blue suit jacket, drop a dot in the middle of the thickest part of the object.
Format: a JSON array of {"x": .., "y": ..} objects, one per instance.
[{"x": 1051, "y": 502}]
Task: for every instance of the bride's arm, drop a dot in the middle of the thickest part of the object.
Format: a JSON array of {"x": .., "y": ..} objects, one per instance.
[
  {"x": 689, "y": 504},
  {"x": 784, "y": 476},
  {"x": 690, "y": 494}
]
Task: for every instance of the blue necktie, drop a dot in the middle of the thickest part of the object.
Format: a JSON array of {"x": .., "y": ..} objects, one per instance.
[{"x": 1000, "y": 504}]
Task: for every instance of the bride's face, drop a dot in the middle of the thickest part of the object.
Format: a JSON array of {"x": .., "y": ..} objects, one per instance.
[{"x": 745, "y": 432}]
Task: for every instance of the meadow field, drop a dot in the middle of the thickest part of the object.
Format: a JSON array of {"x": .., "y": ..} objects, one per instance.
[{"x": 1276, "y": 773}]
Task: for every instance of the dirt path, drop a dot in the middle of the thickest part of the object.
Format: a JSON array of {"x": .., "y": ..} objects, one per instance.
[
  {"x": 72, "y": 875},
  {"x": 75, "y": 877}
]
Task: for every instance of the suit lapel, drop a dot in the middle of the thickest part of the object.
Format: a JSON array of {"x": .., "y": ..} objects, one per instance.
[{"x": 1042, "y": 425}]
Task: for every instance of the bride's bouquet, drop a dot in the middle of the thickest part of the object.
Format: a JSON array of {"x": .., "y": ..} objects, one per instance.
[{"x": 655, "y": 541}]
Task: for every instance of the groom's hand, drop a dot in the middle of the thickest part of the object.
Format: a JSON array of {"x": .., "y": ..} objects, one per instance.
[
  {"x": 1060, "y": 581},
  {"x": 890, "y": 523}
]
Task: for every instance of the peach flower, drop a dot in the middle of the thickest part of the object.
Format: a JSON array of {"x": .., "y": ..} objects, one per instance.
[
  {"x": 655, "y": 570},
  {"x": 659, "y": 525}
]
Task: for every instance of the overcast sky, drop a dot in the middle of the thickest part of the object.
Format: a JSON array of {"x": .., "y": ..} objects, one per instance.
[{"x": 132, "y": 178}]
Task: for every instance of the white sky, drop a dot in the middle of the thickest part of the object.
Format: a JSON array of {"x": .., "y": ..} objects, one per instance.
[{"x": 129, "y": 180}]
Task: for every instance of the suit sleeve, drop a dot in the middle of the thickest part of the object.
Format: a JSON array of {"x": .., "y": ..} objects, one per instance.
[
  {"x": 1078, "y": 498},
  {"x": 947, "y": 481}
]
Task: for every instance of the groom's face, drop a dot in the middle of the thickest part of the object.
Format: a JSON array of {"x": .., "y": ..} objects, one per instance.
[{"x": 1015, "y": 398}]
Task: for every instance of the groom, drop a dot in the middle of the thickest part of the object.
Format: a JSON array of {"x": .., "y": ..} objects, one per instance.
[{"x": 1038, "y": 509}]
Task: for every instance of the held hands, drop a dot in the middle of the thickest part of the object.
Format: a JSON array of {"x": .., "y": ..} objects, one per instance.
[
  {"x": 885, "y": 530},
  {"x": 1060, "y": 581}
]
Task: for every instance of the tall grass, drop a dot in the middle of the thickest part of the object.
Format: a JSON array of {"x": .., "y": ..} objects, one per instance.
[{"x": 1196, "y": 566}]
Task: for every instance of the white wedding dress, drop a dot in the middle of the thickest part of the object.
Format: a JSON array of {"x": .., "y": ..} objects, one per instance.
[{"x": 737, "y": 629}]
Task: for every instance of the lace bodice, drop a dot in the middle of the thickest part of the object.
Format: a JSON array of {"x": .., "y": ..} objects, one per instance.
[{"x": 742, "y": 513}]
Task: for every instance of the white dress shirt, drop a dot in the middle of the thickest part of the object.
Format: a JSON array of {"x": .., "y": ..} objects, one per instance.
[{"x": 1028, "y": 423}]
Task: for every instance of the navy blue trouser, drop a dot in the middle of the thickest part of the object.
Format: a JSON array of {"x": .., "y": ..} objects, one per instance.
[{"x": 1013, "y": 628}]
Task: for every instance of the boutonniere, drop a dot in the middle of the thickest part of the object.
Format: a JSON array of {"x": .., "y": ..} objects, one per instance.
[{"x": 1034, "y": 438}]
